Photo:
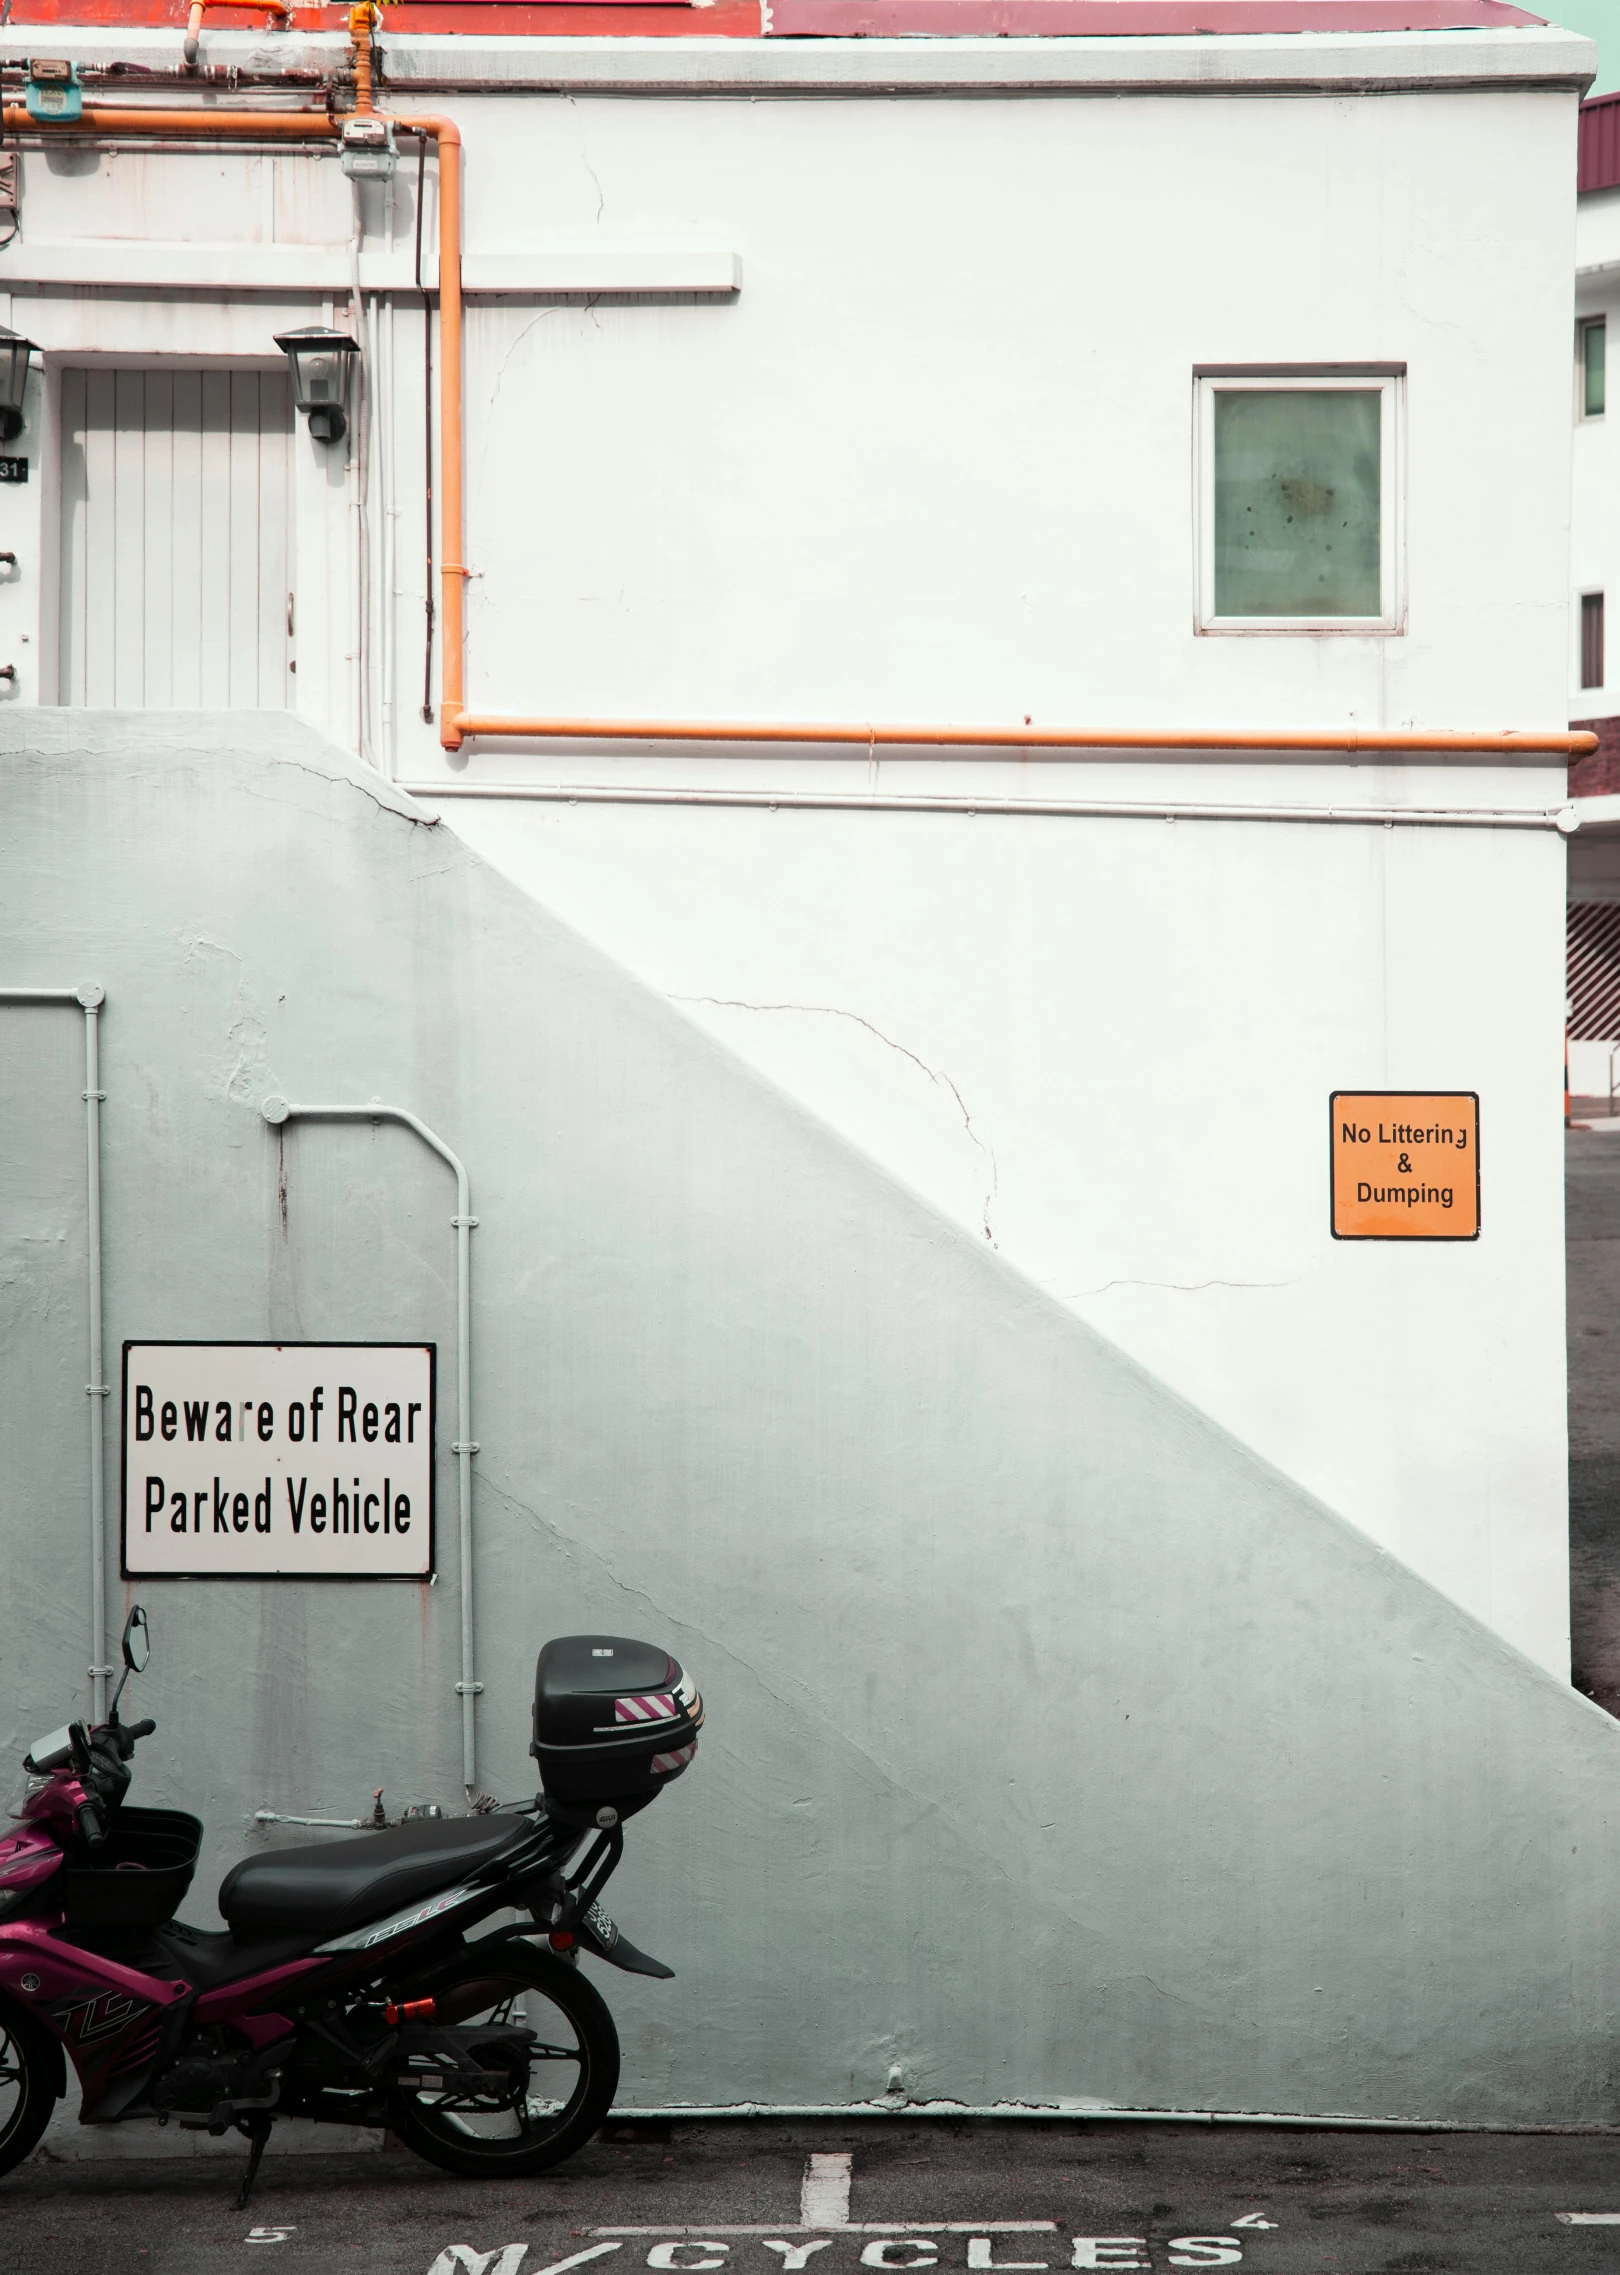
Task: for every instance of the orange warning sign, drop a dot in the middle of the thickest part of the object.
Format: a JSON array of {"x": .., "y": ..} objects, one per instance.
[{"x": 1405, "y": 1164}]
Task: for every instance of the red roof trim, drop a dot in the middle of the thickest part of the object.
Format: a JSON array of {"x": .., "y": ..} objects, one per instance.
[
  {"x": 881, "y": 19},
  {"x": 1129, "y": 19},
  {"x": 531, "y": 19},
  {"x": 1598, "y": 163}
]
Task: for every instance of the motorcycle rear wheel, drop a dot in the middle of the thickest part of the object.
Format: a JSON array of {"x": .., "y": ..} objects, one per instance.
[
  {"x": 573, "y": 2074},
  {"x": 30, "y": 2070}
]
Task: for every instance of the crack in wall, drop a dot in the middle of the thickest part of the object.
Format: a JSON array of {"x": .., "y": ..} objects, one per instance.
[
  {"x": 601, "y": 194},
  {"x": 393, "y": 803},
  {"x": 936, "y": 1075},
  {"x": 512, "y": 349}
]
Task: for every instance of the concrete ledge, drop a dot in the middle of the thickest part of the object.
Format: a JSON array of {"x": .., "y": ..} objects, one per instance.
[
  {"x": 563, "y": 272},
  {"x": 1272, "y": 63}
]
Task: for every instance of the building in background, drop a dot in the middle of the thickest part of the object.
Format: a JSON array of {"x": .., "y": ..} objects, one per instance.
[
  {"x": 912, "y": 735},
  {"x": 1594, "y": 865}
]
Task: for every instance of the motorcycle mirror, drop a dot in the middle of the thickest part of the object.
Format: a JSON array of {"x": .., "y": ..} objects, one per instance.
[
  {"x": 137, "y": 1649},
  {"x": 137, "y": 1643}
]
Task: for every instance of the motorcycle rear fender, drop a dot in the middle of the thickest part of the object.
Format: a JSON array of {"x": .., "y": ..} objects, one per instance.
[{"x": 604, "y": 1939}]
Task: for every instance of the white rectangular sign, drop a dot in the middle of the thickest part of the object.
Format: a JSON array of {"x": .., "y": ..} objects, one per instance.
[{"x": 248, "y": 1460}]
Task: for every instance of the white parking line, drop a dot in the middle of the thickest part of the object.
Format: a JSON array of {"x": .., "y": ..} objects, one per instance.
[
  {"x": 1589, "y": 2219},
  {"x": 824, "y": 2193},
  {"x": 845, "y": 2227}
]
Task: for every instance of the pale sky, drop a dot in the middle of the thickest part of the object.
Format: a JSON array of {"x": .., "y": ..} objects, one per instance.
[{"x": 1599, "y": 20}]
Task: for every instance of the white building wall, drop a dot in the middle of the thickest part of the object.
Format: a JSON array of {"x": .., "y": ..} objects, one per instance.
[
  {"x": 1059, "y": 1752},
  {"x": 933, "y": 460}
]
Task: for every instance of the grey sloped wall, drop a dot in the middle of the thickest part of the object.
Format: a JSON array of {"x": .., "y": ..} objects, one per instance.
[{"x": 1059, "y": 1749}]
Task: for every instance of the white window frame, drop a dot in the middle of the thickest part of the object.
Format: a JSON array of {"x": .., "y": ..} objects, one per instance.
[
  {"x": 1389, "y": 381},
  {"x": 1583, "y": 324}
]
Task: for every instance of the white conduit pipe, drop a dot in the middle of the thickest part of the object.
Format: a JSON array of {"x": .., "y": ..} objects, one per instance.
[
  {"x": 277, "y": 1111},
  {"x": 359, "y": 474},
  {"x": 89, "y": 1000},
  {"x": 1564, "y": 819}
]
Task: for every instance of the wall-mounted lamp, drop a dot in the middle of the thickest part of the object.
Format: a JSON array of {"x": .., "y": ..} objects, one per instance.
[
  {"x": 321, "y": 362},
  {"x": 14, "y": 354}
]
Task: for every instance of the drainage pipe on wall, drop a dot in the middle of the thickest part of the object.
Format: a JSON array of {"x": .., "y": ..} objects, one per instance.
[
  {"x": 277, "y": 1112},
  {"x": 89, "y": 1000}
]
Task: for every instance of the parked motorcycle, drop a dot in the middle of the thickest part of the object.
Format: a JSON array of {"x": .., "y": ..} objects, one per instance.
[{"x": 348, "y": 1984}]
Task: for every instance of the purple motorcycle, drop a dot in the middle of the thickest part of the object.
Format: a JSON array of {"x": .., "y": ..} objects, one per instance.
[{"x": 349, "y": 1984}]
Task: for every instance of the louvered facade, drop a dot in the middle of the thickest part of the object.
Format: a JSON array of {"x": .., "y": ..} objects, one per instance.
[{"x": 1594, "y": 971}]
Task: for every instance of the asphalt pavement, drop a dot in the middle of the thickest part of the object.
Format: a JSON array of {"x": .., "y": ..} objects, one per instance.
[
  {"x": 1592, "y": 1236},
  {"x": 837, "y": 2198}
]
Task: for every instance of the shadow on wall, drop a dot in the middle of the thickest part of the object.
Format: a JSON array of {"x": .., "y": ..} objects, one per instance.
[{"x": 1059, "y": 1749}]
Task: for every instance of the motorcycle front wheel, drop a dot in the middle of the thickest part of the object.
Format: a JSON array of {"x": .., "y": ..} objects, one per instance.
[
  {"x": 541, "y": 2117},
  {"x": 30, "y": 2071}
]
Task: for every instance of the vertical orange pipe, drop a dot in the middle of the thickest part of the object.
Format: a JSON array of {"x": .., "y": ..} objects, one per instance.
[
  {"x": 360, "y": 33},
  {"x": 452, "y": 535}
]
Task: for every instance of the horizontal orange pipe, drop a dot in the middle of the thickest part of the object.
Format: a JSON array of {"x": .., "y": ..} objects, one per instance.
[
  {"x": 196, "y": 118},
  {"x": 245, "y": 7},
  {"x": 1508, "y": 742}
]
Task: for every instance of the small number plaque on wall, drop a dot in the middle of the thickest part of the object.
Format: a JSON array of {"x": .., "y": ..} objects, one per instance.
[
  {"x": 248, "y": 1461},
  {"x": 13, "y": 469}
]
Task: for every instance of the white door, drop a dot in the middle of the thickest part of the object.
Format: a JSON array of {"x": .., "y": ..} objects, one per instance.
[{"x": 175, "y": 539}]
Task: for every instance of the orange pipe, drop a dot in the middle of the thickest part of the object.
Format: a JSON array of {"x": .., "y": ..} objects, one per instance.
[
  {"x": 360, "y": 19},
  {"x": 1340, "y": 740},
  {"x": 194, "y": 22},
  {"x": 211, "y": 125}
]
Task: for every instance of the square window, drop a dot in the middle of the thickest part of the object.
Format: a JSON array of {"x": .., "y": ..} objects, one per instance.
[
  {"x": 1593, "y": 339},
  {"x": 1299, "y": 500}
]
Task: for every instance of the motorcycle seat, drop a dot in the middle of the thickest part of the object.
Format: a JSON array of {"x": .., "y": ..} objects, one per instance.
[{"x": 329, "y": 1889}]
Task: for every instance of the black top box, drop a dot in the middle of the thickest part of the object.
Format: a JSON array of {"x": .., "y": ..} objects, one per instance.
[{"x": 614, "y": 1721}]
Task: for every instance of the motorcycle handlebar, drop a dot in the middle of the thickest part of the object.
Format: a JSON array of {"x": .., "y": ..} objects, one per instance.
[
  {"x": 119, "y": 1738},
  {"x": 88, "y": 1820}
]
